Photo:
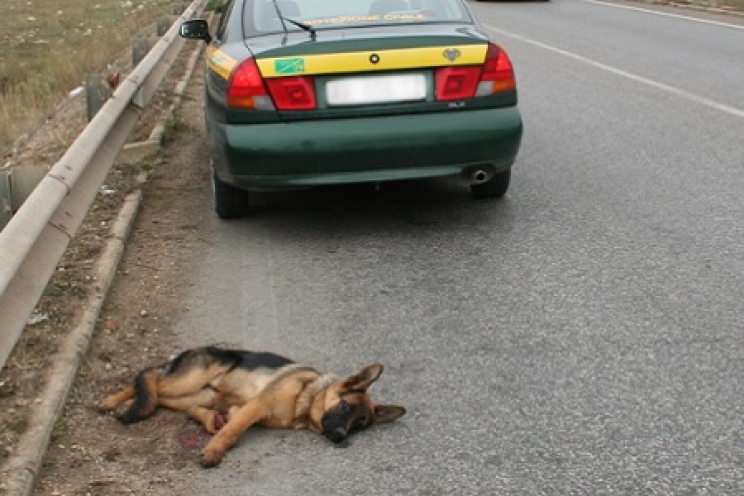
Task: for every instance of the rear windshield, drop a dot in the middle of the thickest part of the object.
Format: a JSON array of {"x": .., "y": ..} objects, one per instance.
[{"x": 329, "y": 14}]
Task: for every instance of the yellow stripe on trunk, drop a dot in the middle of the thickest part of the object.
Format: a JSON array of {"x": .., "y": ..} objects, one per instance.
[{"x": 380, "y": 60}]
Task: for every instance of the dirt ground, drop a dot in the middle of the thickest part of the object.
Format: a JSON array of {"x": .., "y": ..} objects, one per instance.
[{"x": 92, "y": 453}]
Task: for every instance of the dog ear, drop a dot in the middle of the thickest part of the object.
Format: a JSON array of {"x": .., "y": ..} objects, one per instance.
[
  {"x": 387, "y": 413},
  {"x": 364, "y": 379}
]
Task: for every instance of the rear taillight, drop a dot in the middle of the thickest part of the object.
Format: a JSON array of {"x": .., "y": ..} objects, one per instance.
[
  {"x": 456, "y": 83},
  {"x": 247, "y": 89},
  {"x": 293, "y": 93},
  {"x": 498, "y": 74},
  {"x": 494, "y": 76}
]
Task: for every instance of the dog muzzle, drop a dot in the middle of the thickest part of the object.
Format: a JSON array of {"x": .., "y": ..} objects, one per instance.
[{"x": 335, "y": 434}]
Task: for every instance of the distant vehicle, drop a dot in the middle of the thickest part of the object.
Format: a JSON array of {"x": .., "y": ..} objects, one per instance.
[{"x": 319, "y": 92}]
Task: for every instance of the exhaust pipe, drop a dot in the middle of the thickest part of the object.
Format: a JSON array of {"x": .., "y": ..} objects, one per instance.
[{"x": 477, "y": 174}]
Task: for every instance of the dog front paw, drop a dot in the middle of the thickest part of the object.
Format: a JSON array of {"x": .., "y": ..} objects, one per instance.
[{"x": 211, "y": 458}]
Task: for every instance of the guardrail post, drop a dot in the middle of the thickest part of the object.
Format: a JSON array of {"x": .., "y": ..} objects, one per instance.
[
  {"x": 23, "y": 180},
  {"x": 96, "y": 94},
  {"x": 6, "y": 209},
  {"x": 164, "y": 24},
  {"x": 140, "y": 47}
]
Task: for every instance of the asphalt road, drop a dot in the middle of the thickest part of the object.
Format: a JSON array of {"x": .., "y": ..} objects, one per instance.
[{"x": 583, "y": 336}]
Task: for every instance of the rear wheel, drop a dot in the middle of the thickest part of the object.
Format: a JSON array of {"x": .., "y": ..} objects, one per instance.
[
  {"x": 495, "y": 187},
  {"x": 229, "y": 202}
]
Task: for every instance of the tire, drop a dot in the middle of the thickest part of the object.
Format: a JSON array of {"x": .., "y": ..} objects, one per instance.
[
  {"x": 495, "y": 187},
  {"x": 229, "y": 202}
]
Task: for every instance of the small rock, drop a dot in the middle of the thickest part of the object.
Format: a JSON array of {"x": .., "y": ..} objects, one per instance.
[
  {"x": 37, "y": 317},
  {"x": 77, "y": 92}
]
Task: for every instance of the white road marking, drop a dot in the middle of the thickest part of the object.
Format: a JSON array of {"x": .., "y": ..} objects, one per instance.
[
  {"x": 666, "y": 14},
  {"x": 737, "y": 112}
]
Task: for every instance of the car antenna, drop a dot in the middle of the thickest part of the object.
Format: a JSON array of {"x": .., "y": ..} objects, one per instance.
[
  {"x": 301, "y": 25},
  {"x": 280, "y": 16}
]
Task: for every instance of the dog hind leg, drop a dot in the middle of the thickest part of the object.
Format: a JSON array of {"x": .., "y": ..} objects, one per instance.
[
  {"x": 145, "y": 397},
  {"x": 113, "y": 401},
  {"x": 206, "y": 417},
  {"x": 180, "y": 383},
  {"x": 178, "y": 378},
  {"x": 205, "y": 397},
  {"x": 199, "y": 406}
]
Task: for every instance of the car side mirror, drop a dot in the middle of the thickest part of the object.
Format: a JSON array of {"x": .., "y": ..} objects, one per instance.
[{"x": 196, "y": 29}]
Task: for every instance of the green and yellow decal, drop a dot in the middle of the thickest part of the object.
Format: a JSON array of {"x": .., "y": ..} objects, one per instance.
[
  {"x": 220, "y": 62},
  {"x": 382, "y": 60}
]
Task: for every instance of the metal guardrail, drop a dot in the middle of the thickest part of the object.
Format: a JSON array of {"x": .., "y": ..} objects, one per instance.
[{"x": 36, "y": 237}]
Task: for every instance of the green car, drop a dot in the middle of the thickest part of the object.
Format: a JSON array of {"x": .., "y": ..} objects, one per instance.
[{"x": 320, "y": 92}]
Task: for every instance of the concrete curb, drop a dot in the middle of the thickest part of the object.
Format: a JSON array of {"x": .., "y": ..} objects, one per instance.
[{"x": 23, "y": 466}]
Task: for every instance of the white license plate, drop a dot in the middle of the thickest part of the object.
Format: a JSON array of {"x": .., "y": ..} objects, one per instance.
[{"x": 376, "y": 89}]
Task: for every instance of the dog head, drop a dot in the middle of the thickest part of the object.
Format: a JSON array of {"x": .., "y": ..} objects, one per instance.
[{"x": 348, "y": 408}]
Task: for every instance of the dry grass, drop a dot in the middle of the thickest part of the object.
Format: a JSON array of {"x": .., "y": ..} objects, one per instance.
[
  {"x": 736, "y": 4},
  {"x": 47, "y": 48}
]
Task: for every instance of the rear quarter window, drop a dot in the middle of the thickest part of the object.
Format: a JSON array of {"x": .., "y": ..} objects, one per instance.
[{"x": 261, "y": 15}]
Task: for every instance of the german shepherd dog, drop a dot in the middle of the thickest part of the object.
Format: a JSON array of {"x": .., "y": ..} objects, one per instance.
[{"x": 228, "y": 391}]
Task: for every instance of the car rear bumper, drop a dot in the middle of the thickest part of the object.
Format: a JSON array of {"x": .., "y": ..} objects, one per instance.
[{"x": 334, "y": 151}]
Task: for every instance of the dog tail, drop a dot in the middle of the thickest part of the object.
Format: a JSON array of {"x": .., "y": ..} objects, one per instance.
[{"x": 145, "y": 396}]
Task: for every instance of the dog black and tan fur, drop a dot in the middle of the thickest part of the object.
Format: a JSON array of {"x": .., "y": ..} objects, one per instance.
[{"x": 228, "y": 391}]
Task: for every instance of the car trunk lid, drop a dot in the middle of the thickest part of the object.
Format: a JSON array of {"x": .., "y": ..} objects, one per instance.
[{"x": 375, "y": 71}]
